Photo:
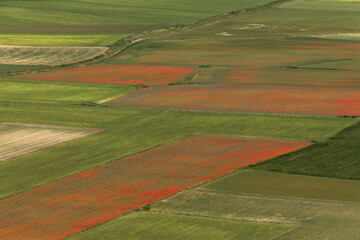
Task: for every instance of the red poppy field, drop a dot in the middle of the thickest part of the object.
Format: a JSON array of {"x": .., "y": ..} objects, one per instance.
[
  {"x": 262, "y": 99},
  {"x": 116, "y": 74},
  {"x": 310, "y": 77},
  {"x": 83, "y": 200}
]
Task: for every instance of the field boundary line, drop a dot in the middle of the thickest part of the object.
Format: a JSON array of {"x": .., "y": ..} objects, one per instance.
[{"x": 124, "y": 43}]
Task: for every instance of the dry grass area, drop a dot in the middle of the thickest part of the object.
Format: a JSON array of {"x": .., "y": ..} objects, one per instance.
[
  {"x": 19, "y": 139},
  {"x": 50, "y": 56}
]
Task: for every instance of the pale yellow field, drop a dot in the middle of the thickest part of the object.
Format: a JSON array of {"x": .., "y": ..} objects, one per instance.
[
  {"x": 19, "y": 139},
  {"x": 50, "y": 56},
  {"x": 60, "y": 39}
]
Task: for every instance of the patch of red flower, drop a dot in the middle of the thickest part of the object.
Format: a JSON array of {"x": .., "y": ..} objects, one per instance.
[
  {"x": 310, "y": 77},
  {"x": 81, "y": 201},
  {"x": 116, "y": 74},
  {"x": 270, "y": 99}
]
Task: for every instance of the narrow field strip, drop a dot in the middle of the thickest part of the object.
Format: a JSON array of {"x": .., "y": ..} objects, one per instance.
[
  {"x": 308, "y": 77},
  {"x": 25, "y": 90},
  {"x": 155, "y": 226},
  {"x": 49, "y": 56},
  {"x": 59, "y": 39},
  {"x": 83, "y": 200},
  {"x": 117, "y": 74},
  {"x": 18, "y": 139},
  {"x": 245, "y": 53},
  {"x": 260, "y": 99},
  {"x": 290, "y": 185}
]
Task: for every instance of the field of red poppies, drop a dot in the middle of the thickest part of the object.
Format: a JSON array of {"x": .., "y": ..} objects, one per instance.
[
  {"x": 260, "y": 99},
  {"x": 83, "y": 200},
  {"x": 292, "y": 77},
  {"x": 116, "y": 74}
]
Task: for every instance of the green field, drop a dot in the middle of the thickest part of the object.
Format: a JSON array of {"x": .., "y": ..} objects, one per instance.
[
  {"x": 337, "y": 157},
  {"x": 56, "y": 92},
  {"x": 348, "y": 64},
  {"x": 8, "y": 68},
  {"x": 312, "y": 193},
  {"x": 130, "y": 16},
  {"x": 290, "y": 185},
  {"x": 328, "y": 5},
  {"x": 122, "y": 12},
  {"x": 316, "y": 219},
  {"x": 167, "y": 226}
]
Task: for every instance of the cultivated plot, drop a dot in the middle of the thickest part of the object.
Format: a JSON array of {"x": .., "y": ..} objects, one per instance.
[
  {"x": 337, "y": 157},
  {"x": 89, "y": 198},
  {"x": 155, "y": 226},
  {"x": 63, "y": 40},
  {"x": 290, "y": 185},
  {"x": 292, "y": 77},
  {"x": 260, "y": 99},
  {"x": 19, "y": 139},
  {"x": 9, "y": 68},
  {"x": 123, "y": 12},
  {"x": 238, "y": 51},
  {"x": 316, "y": 219},
  {"x": 117, "y": 74},
  {"x": 50, "y": 56},
  {"x": 19, "y": 90},
  {"x": 84, "y": 22}
]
